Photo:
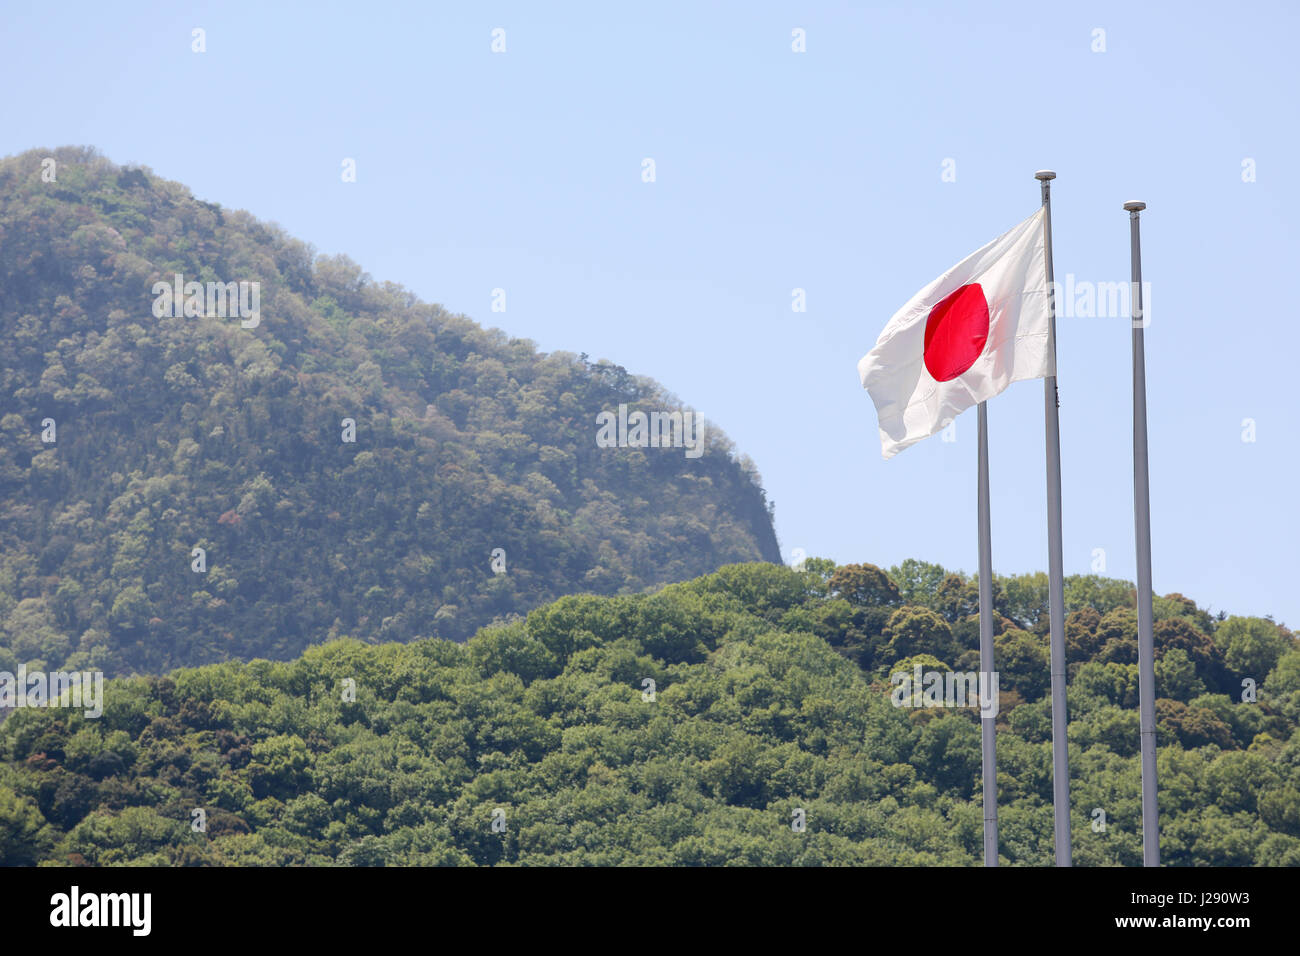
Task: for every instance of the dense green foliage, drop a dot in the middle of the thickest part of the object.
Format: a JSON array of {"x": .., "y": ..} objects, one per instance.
[
  {"x": 182, "y": 433},
  {"x": 771, "y": 696}
]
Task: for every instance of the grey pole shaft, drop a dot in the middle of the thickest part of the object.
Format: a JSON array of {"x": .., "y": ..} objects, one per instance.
[
  {"x": 1055, "y": 559},
  {"x": 988, "y": 738},
  {"x": 1142, "y": 527}
]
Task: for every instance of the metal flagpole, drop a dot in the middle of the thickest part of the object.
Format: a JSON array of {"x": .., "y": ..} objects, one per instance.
[
  {"x": 988, "y": 738},
  {"x": 1142, "y": 526},
  {"x": 1055, "y": 560}
]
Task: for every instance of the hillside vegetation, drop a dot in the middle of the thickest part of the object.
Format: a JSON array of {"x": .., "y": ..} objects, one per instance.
[
  {"x": 171, "y": 434},
  {"x": 771, "y": 703}
]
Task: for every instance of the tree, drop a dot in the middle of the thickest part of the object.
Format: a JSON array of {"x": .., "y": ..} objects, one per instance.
[
  {"x": 1191, "y": 726},
  {"x": 280, "y": 766},
  {"x": 1181, "y": 634},
  {"x": 918, "y": 630},
  {"x": 1026, "y": 601},
  {"x": 864, "y": 585},
  {"x": 131, "y": 609},
  {"x": 956, "y": 599},
  {"x": 1176, "y": 676},
  {"x": 24, "y": 835},
  {"x": 1022, "y": 663},
  {"x": 1117, "y": 633},
  {"x": 1103, "y": 595},
  {"x": 917, "y": 581},
  {"x": 1081, "y": 641},
  {"x": 1251, "y": 646}
]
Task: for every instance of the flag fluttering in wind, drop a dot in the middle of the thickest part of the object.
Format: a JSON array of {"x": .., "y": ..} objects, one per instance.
[
  {"x": 983, "y": 324},
  {"x": 962, "y": 339}
]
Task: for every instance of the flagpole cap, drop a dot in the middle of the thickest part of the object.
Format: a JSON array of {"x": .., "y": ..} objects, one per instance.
[
  {"x": 1135, "y": 205},
  {"x": 1045, "y": 174}
]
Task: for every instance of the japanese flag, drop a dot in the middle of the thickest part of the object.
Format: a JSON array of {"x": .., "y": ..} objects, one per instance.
[{"x": 965, "y": 337}]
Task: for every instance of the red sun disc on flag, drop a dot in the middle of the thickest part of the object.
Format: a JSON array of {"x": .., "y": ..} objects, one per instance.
[{"x": 956, "y": 331}]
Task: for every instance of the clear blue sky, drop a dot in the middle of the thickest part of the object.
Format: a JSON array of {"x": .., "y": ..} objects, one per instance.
[{"x": 778, "y": 170}]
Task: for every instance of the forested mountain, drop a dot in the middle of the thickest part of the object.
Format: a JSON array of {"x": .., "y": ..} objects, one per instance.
[
  {"x": 541, "y": 742},
  {"x": 130, "y": 437}
]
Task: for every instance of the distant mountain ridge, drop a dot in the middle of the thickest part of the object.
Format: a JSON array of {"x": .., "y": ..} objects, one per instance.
[{"x": 475, "y": 487}]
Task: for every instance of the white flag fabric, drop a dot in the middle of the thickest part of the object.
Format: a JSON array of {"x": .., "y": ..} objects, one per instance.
[{"x": 962, "y": 339}]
